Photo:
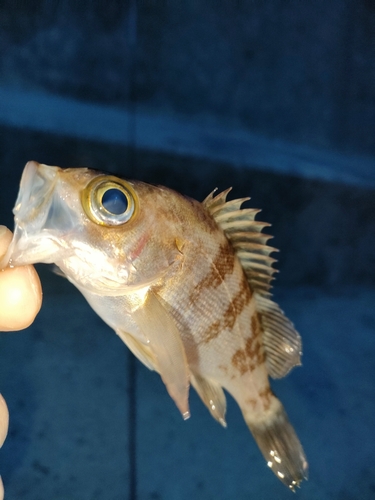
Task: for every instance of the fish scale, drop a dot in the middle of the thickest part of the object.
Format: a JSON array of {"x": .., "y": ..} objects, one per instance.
[{"x": 186, "y": 285}]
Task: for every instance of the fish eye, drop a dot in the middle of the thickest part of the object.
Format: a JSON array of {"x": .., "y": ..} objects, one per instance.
[
  {"x": 115, "y": 201},
  {"x": 109, "y": 201}
]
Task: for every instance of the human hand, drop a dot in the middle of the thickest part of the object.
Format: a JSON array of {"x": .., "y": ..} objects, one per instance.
[
  {"x": 20, "y": 301},
  {"x": 4, "y": 420}
]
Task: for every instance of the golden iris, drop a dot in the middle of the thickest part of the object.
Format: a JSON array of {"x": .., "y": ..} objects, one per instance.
[{"x": 109, "y": 201}]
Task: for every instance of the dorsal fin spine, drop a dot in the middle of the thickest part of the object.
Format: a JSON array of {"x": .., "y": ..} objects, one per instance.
[{"x": 281, "y": 342}]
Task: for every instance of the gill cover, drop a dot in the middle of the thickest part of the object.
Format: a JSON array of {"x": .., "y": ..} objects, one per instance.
[{"x": 109, "y": 201}]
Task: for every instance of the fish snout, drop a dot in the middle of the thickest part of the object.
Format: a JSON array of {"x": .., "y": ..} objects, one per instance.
[
  {"x": 37, "y": 184},
  {"x": 31, "y": 212}
]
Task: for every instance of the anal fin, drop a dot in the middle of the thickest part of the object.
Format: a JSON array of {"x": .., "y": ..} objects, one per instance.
[{"x": 212, "y": 396}]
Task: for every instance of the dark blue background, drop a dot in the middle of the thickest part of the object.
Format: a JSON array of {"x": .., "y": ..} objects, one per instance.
[{"x": 274, "y": 98}]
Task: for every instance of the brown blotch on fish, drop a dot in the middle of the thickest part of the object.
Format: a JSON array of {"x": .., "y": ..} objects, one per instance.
[
  {"x": 252, "y": 355},
  {"x": 240, "y": 361},
  {"x": 224, "y": 369},
  {"x": 251, "y": 402},
  {"x": 266, "y": 397},
  {"x": 222, "y": 265},
  {"x": 212, "y": 331},
  {"x": 224, "y": 260},
  {"x": 234, "y": 309},
  {"x": 254, "y": 348}
]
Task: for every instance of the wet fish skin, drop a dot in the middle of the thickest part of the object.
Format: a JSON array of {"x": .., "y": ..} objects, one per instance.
[{"x": 184, "y": 284}]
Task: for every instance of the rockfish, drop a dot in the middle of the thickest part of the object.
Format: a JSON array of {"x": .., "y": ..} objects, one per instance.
[{"x": 186, "y": 286}]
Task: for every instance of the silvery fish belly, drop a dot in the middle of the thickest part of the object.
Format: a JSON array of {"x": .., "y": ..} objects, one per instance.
[{"x": 186, "y": 285}]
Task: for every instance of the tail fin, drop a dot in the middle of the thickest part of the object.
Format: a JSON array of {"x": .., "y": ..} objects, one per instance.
[{"x": 280, "y": 445}]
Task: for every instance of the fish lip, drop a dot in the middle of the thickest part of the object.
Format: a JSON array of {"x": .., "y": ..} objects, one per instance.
[
  {"x": 37, "y": 184},
  {"x": 30, "y": 212}
]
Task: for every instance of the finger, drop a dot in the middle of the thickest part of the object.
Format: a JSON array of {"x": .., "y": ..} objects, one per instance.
[
  {"x": 20, "y": 292},
  {"x": 5, "y": 239},
  {"x": 4, "y": 420}
]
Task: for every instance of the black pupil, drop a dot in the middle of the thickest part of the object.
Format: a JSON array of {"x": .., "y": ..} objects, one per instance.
[{"x": 115, "y": 201}]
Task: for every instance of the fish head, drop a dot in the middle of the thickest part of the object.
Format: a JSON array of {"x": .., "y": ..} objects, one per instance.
[{"x": 106, "y": 235}]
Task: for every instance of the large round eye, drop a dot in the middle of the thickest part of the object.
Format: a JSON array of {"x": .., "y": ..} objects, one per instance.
[
  {"x": 109, "y": 201},
  {"x": 115, "y": 201}
]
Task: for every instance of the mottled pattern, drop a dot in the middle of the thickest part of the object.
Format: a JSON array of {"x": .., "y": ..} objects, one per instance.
[
  {"x": 222, "y": 265},
  {"x": 214, "y": 307},
  {"x": 228, "y": 318},
  {"x": 171, "y": 283},
  {"x": 266, "y": 398}
]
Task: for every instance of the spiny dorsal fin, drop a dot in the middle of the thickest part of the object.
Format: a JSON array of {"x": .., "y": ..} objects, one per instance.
[
  {"x": 245, "y": 234},
  {"x": 281, "y": 341}
]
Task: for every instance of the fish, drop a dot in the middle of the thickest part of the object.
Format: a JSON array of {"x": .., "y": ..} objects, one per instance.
[{"x": 186, "y": 285}]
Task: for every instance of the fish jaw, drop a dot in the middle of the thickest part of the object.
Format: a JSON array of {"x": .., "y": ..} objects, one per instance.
[
  {"x": 36, "y": 232},
  {"x": 51, "y": 226}
]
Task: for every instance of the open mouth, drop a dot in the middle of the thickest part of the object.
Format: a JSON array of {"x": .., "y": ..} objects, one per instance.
[
  {"x": 37, "y": 184},
  {"x": 30, "y": 213}
]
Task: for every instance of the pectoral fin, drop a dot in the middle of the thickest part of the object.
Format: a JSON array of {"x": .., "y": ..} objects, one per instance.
[
  {"x": 141, "y": 351},
  {"x": 167, "y": 349}
]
